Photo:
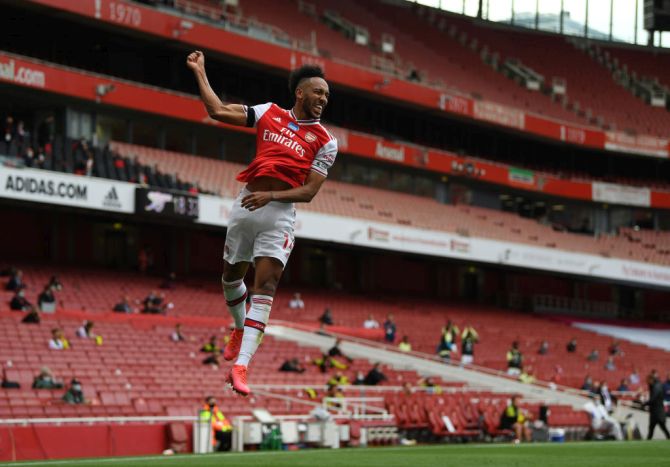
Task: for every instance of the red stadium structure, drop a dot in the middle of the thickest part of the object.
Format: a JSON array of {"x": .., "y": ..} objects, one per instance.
[{"x": 507, "y": 179}]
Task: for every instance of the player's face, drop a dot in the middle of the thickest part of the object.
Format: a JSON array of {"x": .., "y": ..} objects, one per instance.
[{"x": 315, "y": 94}]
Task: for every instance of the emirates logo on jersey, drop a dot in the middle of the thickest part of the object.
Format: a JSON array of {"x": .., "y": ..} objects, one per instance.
[{"x": 310, "y": 137}]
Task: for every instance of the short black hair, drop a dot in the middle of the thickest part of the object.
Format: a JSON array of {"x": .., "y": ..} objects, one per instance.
[{"x": 304, "y": 72}]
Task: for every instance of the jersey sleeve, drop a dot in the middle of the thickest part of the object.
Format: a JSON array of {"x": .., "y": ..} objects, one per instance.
[
  {"x": 255, "y": 113},
  {"x": 325, "y": 158}
]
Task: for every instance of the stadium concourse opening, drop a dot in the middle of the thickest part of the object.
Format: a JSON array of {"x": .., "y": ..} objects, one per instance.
[{"x": 494, "y": 225}]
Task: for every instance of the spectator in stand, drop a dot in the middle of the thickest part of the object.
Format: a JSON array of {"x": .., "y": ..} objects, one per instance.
[
  {"x": 527, "y": 376},
  {"x": 296, "y": 302},
  {"x": 623, "y": 386},
  {"x": 55, "y": 284},
  {"x": 85, "y": 331},
  {"x": 338, "y": 379},
  {"x": 29, "y": 157},
  {"x": 33, "y": 317},
  {"x": 211, "y": 346},
  {"x": 326, "y": 318},
  {"x": 544, "y": 348},
  {"x": 450, "y": 333},
  {"x": 8, "y": 131},
  {"x": 389, "y": 329},
  {"x": 15, "y": 281},
  {"x": 514, "y": 360},
  {"x": 601, "y": 421},
  {"x": 58, "y": 340},
  {"x": 469, "y": 338},
  {"x": 572, "y": 346},
  {"x": 123, "y": 306},
  {"x": 74, "y": 394},
  {"x": 176, "y": 335},
  {"x": 46, "y": 300},
  {"x": 155, "y": 303},
  {"x": 40, "y": 158},
  {"x": 593, "y": 356},
  {"x": 614, "y": 348},
  {"x": 22, "y": 135},
  {"x": 444, "y": 350},
  {"x": 335, "y": 351},
  {"x": 429, "y": 384},
  {"x": 634, "y": 377},
  {"x": 19, "y": 302},
  {"x": 360, "y": 379},
  {"x": 213, "y": 359},
  {"x": 375, "y": 376},
  {"x": 370, "y": 323},
  {"x": 609, "y": 365},
  {"x": 514, "y": 419},
  {"x": 404, "y": 345},
  {"x": 656, "y": 407},
  {"x": 292, "y": 366},
  {"x": 587, "y": 385},
  {"x": 45, "y": 380}
]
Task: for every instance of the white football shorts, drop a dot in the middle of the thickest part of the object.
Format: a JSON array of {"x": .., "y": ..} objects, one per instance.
[{"x": 266, "y": 232}]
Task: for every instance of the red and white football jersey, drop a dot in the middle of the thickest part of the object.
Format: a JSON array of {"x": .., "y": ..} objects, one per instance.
[{"x": 287, "y": 148}]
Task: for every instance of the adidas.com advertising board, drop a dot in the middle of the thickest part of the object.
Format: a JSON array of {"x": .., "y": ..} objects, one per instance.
[{"x": 43, "y": 186}]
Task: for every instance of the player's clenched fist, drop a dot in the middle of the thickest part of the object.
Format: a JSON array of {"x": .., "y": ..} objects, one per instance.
[{"x": 195, "y": 60}]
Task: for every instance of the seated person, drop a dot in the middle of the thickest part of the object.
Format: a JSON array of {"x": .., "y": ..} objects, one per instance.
[
  {"x": 293, "y": 366},
  {"x": 46, "y": 299},
  {"x": 514, "y": 419},
  {"x": 176, "y": 335},
  {"x": 45, "y": 380},
  {"x": 335, "y": 351},
  {"x": 429, "y": 384},
  {"x": 212, "y": 359},
  {"x": 32, "y": 317},
  {"x": 375, "y": 375},
  {"x": 55, "y": 284},
  {"x": 153, "y": 303},
  {"x": 360, "y": 379},
  {"x": 123, "y": 306},
  {"x": 544, "y": 348},
  {"x": 212, "y": 346},
  {"x": 326, "y": 318},
  {"x": 370, "y": 323},
  {"x": 74, "y": 394},
  {"x": 571, "y": 347},
  {"x": 85, "y": 331},
  {"x": 19, "y": 302},
  {"x": 338, "y": 379},
  {"x": 593, "y": 356},
  {"x": 623, "y": 386},
  {"x": 58, "y": 340},
  {"x": 404, "y": 345},
  {"x": 514, "y": 360},
  {"x": 15, "y": 281},
  {"x": 296, "y": 302}
]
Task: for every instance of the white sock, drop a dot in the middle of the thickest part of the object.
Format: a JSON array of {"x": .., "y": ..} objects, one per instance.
[
  {"x": 236, "y": 297},
  {"x": 254, "y": 327}
]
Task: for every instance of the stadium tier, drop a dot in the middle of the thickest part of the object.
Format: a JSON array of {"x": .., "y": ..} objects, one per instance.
[
  {"x": 350, "y": 200},
  {"x": 97, "y": 291}
]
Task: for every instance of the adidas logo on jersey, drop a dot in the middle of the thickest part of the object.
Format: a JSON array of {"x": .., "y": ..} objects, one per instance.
[
  {"x": 111, "y": 199},
  {"x": 277, "y": 119}
]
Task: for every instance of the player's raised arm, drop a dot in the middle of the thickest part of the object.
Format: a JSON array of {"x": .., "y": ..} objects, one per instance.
[{"x": 233, "y": 114}]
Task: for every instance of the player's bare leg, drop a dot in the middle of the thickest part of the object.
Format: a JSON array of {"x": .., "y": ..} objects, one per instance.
[{"x": 268, "y": 273}]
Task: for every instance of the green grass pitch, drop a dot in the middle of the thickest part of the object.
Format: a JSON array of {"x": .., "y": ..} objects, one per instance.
[{"x": 606, "y": 454}]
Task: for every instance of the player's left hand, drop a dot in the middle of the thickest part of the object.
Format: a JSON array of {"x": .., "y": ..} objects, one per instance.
[{"x": 256, "y": 200}]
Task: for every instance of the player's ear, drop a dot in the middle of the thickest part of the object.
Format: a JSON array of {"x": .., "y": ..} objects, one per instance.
[{"x": 299, "y": 93}]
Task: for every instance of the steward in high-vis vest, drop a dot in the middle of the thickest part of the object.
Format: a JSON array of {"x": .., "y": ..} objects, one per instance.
[{"x": 221, "y": 428}]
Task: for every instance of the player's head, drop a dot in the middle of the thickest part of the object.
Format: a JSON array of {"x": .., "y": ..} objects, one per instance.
[{"x": 310, "y": 90}]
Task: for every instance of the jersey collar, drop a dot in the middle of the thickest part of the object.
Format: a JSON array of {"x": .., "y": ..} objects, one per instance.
[{"x": 304, "y": 122}]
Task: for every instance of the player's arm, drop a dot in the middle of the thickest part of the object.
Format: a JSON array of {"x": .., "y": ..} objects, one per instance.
[
  {"x": 301, "y": 194},
  {"x": 233, "y": 114}
]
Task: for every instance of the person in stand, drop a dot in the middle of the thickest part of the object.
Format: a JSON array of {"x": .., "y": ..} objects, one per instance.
[
  {"x": 571, "y": 347},
  {"x": 544, "y": 348},
  {"x": 177, "y": 335},
  {"x": 389, "y": 329},
  {"x": 450, "y": 334},
  {"x": 370, "y": 323},
  {"x": 655, "y": 405},
  {"x": 15, "y": 281},
  {"x": 404, "y": 345},
  {"x": 19, "y": 302},
  {"x": 514, "y": 360},
  {"x": 32, "y": 317},
  {"x": 292, "y": 366},
  {"x": 514, "y": 419},
  {"x": 222, "y": 430},
  {"x": 74, "y": 394},
  {"x": 469, "y": 338},
  {"x": 123, "y": 306},
  {"x": 593, "y": 356},
  {"x": 296, "y": 303},
  {"x": 211, "y": 346},
  {"x": 46, "y": 300},
  {"x": 335, "y": 351},
  {"x": 326, "y": 318},
  {"x": 45, "y": 380},
  {"x": 58, "y": 340},
  {"x": 375, "y": 375}
]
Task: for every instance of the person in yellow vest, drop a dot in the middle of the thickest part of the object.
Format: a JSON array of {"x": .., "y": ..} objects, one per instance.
[{"x": 222, "y": 430}]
